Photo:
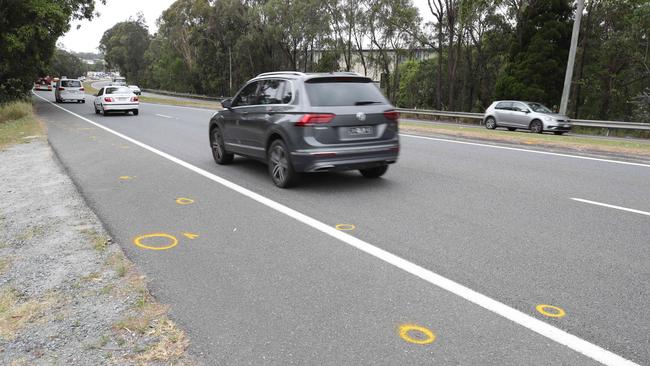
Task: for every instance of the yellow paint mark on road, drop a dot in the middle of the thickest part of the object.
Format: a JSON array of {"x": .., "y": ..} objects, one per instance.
[
  {"x": 126, "y": 177},
  {"x": 191, "y": 235},
  {"x": 426, "y": 336},
  {"x": 172, "y": 241},
  {"x": 550, "y": 311},
  {"x": 345, "y": 227},
  {"x": 184, "y": 201},
  {"x": 124, "y": 147}
]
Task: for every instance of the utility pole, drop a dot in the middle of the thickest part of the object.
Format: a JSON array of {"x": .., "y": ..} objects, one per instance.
[
  {"x": 572, "y": 58},
  {"x": 230, "y": 71}
]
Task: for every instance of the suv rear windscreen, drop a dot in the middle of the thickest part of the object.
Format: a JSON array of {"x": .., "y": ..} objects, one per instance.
[
  {"x": 71, "y": 84},
  {"x": 343, "y": 91}
]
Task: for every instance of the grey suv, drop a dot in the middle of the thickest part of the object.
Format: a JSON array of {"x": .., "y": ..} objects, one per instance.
[
  {"x": 297, "y": 122},
  {"x": 532, "y": 116}
]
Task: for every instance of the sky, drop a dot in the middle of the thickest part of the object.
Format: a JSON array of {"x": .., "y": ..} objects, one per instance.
[{"x": 86, "y": 38}]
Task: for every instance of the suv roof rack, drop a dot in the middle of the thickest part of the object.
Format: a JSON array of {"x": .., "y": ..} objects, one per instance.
[{"x": 298, "y": 73}]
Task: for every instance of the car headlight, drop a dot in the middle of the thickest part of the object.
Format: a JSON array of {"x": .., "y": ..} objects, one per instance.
[{"x": 549, "y": 119}]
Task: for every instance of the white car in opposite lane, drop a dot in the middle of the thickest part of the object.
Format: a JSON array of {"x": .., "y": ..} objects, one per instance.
[{"x": 116, "y": 99}]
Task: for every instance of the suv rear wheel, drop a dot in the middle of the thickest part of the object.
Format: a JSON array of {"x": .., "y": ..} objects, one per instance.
[
  {"x": 280, "y": 167},
  {"x": 375, "y": 172}
]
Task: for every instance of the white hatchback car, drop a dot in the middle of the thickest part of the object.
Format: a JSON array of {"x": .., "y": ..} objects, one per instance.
[
  {"x": 135, "y": 89},
  {"x": 69, "y": 89},
  {"x": 116, "y": 99}
]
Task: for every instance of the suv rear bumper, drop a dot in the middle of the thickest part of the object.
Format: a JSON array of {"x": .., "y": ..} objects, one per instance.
[{"x": 321, "y": 160}]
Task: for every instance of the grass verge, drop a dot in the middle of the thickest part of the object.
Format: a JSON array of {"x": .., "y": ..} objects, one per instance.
[
  {"x": 625, "y": 147},
  {"x": 17, "y": 123}
]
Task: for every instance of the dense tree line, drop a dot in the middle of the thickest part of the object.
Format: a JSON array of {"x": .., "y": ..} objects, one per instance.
[
  {"x": 28, "y": 34},
  {"x": 481, "y": 50},
  {"x": 64, "y": 63}
]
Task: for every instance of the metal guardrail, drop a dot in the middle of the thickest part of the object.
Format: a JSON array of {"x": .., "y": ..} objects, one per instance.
[
  {"x": 574, "y": 122},
  {"x": 183, "y": 95}
]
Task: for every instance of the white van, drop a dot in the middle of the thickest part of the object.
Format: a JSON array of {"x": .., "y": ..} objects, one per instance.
[
  {"x": 69, "y": 89},
  {"x": 119, "y": 81}
]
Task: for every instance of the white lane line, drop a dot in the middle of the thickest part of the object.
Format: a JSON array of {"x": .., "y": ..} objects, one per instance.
[
  {"x": 164, "y": 116},
  {"x": 611, "y": 206},
  {"x": 211, "y": 110},
  {"x": 525, "y": 150},
  {"x": 590, "y": 350}
]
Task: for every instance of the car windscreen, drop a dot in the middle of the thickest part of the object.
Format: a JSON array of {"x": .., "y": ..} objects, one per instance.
[
  {"x": 120, "y": 90},
  {"x": 343, "y": 91},
  {"x": 537, "y": 107},
  {"x": 71, "y": 83}
]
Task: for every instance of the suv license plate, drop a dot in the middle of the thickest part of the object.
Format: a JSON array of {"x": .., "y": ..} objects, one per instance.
[{"x": 361, "y": 130}]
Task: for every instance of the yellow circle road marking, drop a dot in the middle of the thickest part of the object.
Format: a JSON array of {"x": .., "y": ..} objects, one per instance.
[
  {"x": 345, "y": 227},
  {"x": 173, "y": 241},
  {"x": 405, "y": 329},
  {"x": 184, "y": 201},
  {"x": 554, "y": 313}
]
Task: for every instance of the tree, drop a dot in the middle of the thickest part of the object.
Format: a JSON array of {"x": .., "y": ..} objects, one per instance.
[
  {"x": 28, "y": 34},
  {"x": 538, "y": 53},
  {"x": 124, "y": 46},
  {"x": 65, "y": 63}
]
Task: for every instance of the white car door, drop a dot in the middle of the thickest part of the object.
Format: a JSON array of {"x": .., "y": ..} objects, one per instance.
[{"x": 98, "y": 98}]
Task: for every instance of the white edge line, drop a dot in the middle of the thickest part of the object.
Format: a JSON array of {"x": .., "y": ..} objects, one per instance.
[
  {"x": 525, "y": 150},
  {"x": 164, "y": 116},
  {"x": 611, "y": 206},
  {"x": 590, "y": 350}
]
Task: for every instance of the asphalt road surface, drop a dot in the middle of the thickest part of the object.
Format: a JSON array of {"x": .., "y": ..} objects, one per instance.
[{"x": 448, "y": 259}]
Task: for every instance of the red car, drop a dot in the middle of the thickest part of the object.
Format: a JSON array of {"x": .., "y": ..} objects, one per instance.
[{"x": 43, "y": 84}]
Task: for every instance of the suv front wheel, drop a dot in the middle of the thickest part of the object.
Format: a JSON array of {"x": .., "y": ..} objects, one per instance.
[
  {"x": 219, "y": 153},
  {"x": 280, "y": 167}
]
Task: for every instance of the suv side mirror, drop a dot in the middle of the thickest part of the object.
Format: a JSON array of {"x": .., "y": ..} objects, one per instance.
[
  {"x": 527, "y": 111},
  {"x": 226, "y": 103}
]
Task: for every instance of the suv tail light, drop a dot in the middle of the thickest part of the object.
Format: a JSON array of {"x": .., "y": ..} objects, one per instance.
[
  {"x": 61, "y": 88},
  {"x": 313, "y": 119},
  {"x": 108, "y": 99},
  {"x": 81, "y": 89},
  {"x": 134, "y": 99},
  {"x": 391, "y": 115}
]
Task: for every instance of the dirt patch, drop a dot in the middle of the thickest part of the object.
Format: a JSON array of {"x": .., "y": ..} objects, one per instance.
[{"x": 68, "y": 295}]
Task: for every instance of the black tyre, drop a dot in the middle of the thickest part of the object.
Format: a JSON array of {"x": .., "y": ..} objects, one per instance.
[
  {"x": 219, "y": 153},
  {"x": 135, "y": 112},
  {"x": 490, "y": 123},
  {"x": 96, "y": 110},
  {"x": 511, "y": 128},
  {"x": 559, "y": 133},
  {"x": 83, "y": 101},
  {"x": 375, "y": 172},
  {"x": 280, "y": 167},
  {"x": 536, "y": 126}
]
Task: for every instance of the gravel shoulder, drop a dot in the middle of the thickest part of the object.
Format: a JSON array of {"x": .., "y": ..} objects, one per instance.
[{"x": 68, "y": 294}]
